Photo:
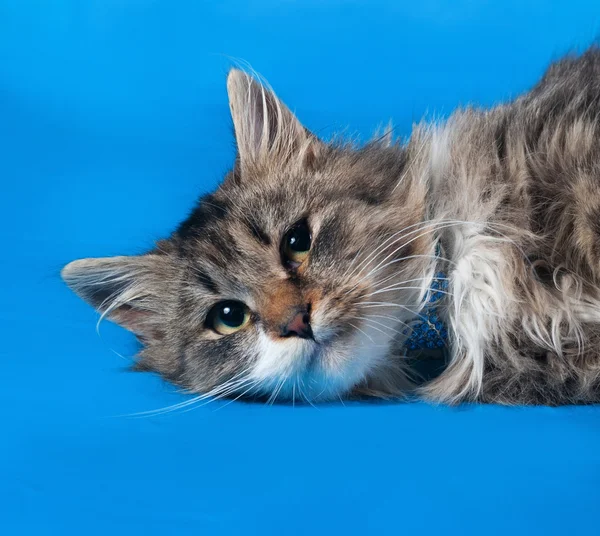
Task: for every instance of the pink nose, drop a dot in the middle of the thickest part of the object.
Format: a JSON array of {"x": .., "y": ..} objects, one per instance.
[{"x": 298, "y": 326}]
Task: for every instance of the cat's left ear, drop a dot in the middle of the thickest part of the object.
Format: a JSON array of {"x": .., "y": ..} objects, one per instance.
[
  {"x": 266, "y": 131},
  {"x": 127, "y": 290}
]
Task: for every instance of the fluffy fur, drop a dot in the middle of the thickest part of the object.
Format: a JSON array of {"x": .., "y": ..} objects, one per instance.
[{"x": 505, "y": 201}]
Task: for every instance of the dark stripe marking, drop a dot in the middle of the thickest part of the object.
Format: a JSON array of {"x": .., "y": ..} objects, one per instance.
[{"x": 207, "y": 281}]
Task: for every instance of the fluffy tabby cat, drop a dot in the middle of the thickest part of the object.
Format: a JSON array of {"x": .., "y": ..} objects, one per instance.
[{"x": 297, "y": 278}]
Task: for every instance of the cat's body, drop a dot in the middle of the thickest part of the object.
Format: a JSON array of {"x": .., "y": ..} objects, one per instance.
[{"x": 504, "y": 202}]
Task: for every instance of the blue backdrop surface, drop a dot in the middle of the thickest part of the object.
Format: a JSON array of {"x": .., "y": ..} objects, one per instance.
[{"x": 113, "y": 119}]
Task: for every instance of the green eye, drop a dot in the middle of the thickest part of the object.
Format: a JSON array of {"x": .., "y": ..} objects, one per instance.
[
  {"x": 296, "y": 244},
  {"x": 227, "y": 317}
]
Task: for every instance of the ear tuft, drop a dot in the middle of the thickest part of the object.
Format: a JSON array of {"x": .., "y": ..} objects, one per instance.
[{"x": 384, "y": 136}]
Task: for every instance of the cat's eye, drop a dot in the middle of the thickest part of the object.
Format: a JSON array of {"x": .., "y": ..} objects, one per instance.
[
  {"x": 296, "y": 244},
  {"x": 227, "y": 317}
]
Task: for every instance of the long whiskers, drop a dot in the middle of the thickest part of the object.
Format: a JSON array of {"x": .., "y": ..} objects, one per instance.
[
  {"x": 431, "y": 228},
  {"x": 365, "y": 334},
  {"x": 391, "y": 240},
  {"x": 391, "y": 304},
  {"x": 423, "y": 230},
  {"x": 395, "y": 261},
  {"x": 389, "y": 289},
  {"x": 253, "y": 384},
  {"x": 371, "y": 321},
  {"x": 220, "y": 391}
]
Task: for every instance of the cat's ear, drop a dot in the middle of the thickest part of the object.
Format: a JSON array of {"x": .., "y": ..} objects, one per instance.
[
  {"x": 265, "y": 129},
  {"x": 126, "y": 290}
]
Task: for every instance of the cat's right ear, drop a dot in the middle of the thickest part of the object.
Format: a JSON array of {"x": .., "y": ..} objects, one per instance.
[
  {"x": 266, "y": 131},
  {"x": 127, "y": 290}
]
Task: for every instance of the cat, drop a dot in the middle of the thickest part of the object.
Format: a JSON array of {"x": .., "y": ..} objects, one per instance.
[{"x": 308, "y": 270}]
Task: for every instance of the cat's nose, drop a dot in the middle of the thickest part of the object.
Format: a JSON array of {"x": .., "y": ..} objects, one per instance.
[{"x": 299, "y": 325}]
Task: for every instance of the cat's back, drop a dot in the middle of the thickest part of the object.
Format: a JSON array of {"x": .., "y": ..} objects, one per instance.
[
  {"x": 570, "y": 85},
  {"x": 530, "y": 163},
  {"x": 556, "y": 130}
]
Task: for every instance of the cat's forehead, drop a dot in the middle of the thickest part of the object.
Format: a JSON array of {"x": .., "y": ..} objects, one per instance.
[
  {"x": 226, "y": 249},
  {"x": 260, "y": 208}
]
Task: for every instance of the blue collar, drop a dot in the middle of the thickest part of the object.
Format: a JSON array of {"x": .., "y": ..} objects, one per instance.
[{"x": 428, "y": 332}]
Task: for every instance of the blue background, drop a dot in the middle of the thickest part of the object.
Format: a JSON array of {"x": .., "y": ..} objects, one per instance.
[{"x": 113, "y": 118}]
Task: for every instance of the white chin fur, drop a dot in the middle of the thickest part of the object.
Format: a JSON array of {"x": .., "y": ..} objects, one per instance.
[{"x": 302, "y": 370}]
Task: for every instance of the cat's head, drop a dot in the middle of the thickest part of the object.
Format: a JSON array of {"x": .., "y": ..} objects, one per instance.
[{"x": 291, "y": 279}]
